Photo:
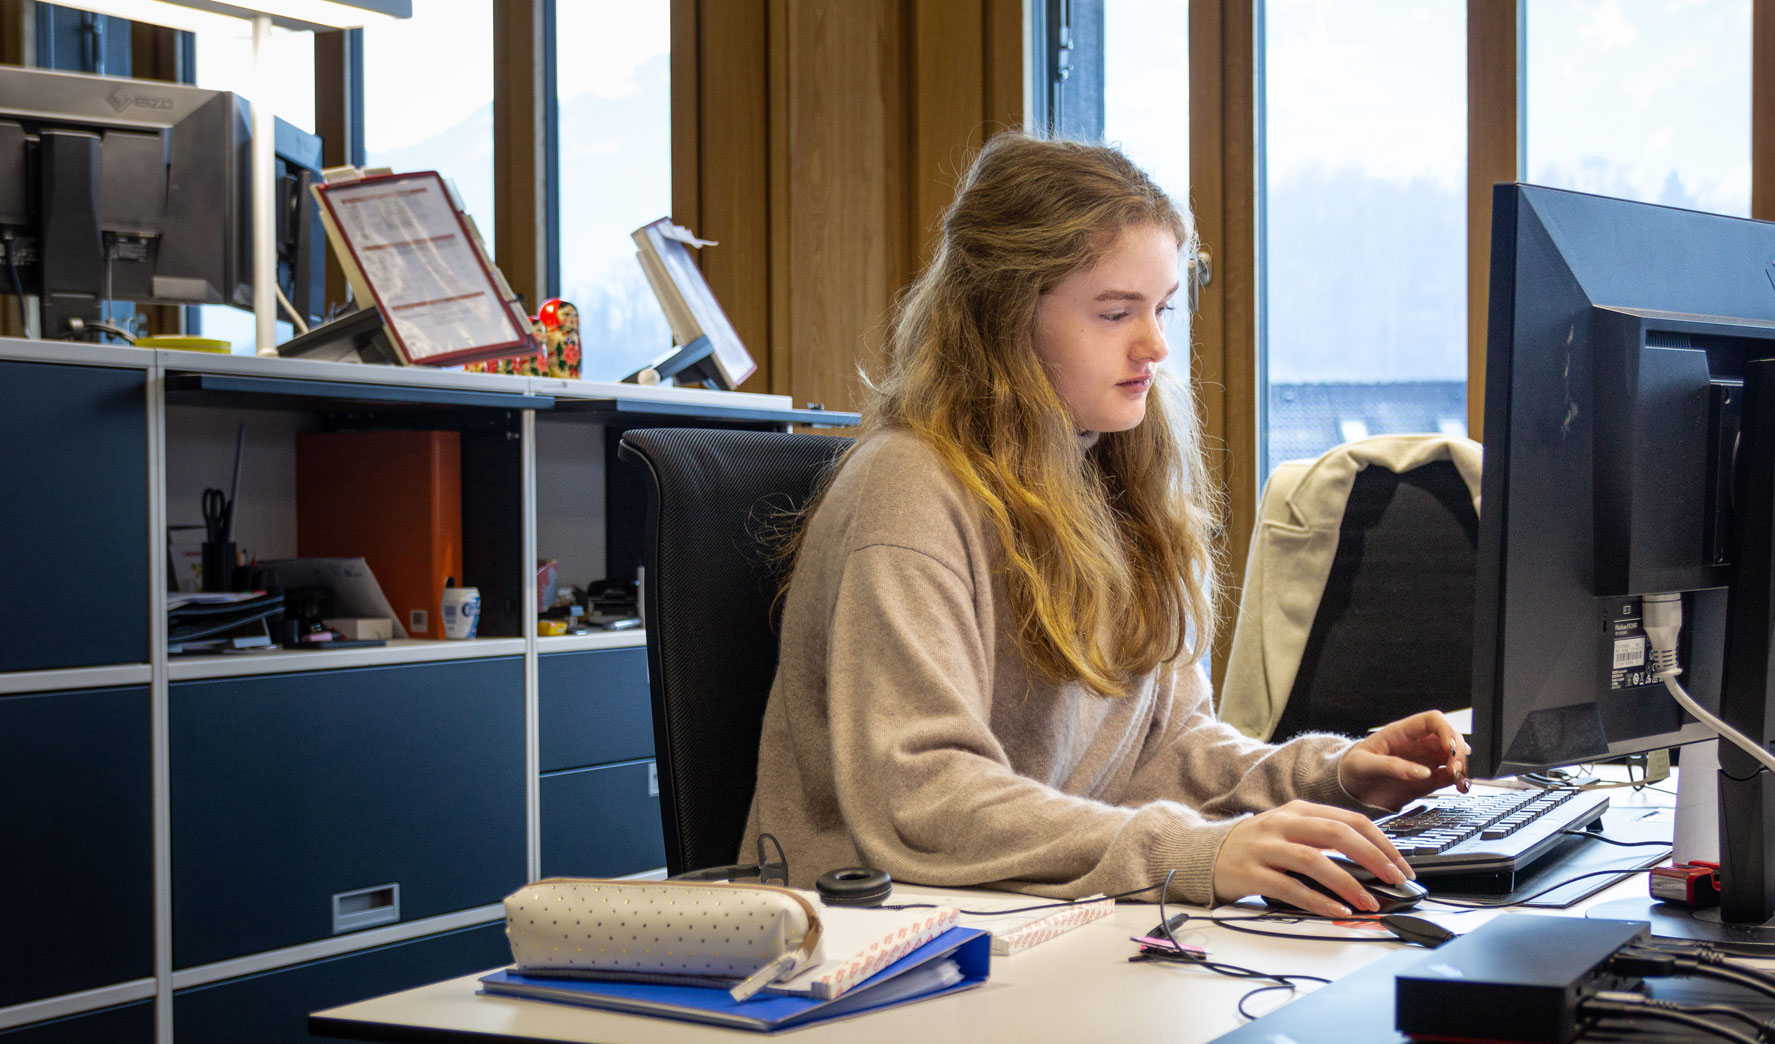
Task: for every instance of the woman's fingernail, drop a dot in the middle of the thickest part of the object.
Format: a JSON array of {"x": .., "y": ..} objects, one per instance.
[
  {"x": 1343, "y": 911},
  {"x": 1394, "y": 874},
  {"x": 1420, "y": 772}
]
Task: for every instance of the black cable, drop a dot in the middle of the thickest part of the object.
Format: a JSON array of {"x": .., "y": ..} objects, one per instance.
[
  {"x": 103, "y": 327},
  {"x": 1637, "y": 1011},
  {"x": 18, "y": 285},
  {"x": 1704, "y": 954},
  {"x": 1761, "y": 1028},
  {"x": 1279, "y": 980},
  {"x": 1707, "y": 954},
  {"x": 1728, "y": 973},
  {"x": 1626, "y": 871},
  {"x": 1279, "y": 986},
  {"x": 1058, "y": 903},
  {"x": 1647, "y": 961},
  {"x": 1165, "y": 919},
  {"x": 1226, "y": 922},
  {"x": 1594, "y": 836},
  {"x": 1166, "y": 926}
]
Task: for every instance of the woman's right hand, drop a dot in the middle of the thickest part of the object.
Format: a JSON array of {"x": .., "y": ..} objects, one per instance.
[{"x": 1259, "y": 853}]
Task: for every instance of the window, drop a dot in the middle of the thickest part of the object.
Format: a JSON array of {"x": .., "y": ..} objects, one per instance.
[
  {"x": 1146, "y": 111},
  {"x": 224, "y": 62},
  {"x": 428, "y": 98},
  {"x": 614, "y": 103},
  {"x": 1068, "y": 48},
  {"x": 1643, "y": 101},
  {"x": 79, "y": 41},
  {"x": 1362, "y": 221}
]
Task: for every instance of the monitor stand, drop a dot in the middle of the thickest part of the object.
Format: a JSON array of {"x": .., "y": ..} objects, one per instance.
[
  {"x": 1686, "y": 924},
  {"x": 1744, "y": 793},
  {"x": 1696, "y": 837}
]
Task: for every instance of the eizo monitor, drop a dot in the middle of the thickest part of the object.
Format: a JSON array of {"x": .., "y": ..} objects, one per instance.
[
  {"x": 1630, "y": 451},
  {"x": 138, "y": 190}
]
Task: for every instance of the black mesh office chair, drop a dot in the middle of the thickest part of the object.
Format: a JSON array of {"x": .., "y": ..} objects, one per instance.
[
  {"x": 708, "y": 588},
  {"x": 1394, "y": 630}
]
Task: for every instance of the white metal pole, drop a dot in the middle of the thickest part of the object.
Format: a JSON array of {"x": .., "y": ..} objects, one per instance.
[{"x": 264, "y": 188}]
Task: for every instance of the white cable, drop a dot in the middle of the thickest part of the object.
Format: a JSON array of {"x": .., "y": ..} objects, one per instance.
[
  {"x": 1663, "y": 621},
  {"x": 1739, "y": 739},
  {"x": 295, "y": 316}
]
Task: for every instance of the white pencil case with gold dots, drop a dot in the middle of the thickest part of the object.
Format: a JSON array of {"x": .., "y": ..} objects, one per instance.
[{"x": 595, "y": 928}]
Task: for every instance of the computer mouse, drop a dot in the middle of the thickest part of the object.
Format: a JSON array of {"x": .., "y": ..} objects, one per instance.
[{"x": 1392, "y": 897}]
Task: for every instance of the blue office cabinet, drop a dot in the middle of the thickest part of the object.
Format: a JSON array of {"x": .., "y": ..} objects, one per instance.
[
  {"x": 599, "y": 796},
  {"x": 601, "y": 822},
  {"x": 593, "y": 708},
  {"x": 309, "y": 805},
  {"x": 73, "y": 516},
  {"x": 77, "y": 869},
  {"x": 273, "y": 1007},
  {"x": 124, "y": 1024}
]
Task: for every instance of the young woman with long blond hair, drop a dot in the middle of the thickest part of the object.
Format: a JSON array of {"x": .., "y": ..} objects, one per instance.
[{"x": 990, "y": 652}]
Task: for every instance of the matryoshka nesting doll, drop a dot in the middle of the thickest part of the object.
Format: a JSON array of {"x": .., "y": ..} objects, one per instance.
[{"x": 560, "y": 326}]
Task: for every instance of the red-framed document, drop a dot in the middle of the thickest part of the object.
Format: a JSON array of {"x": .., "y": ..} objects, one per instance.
[{"x": 407, "y": 246}]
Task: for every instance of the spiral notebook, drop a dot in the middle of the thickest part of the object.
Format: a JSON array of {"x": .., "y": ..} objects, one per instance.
[{"x": 1014, "y": 932}]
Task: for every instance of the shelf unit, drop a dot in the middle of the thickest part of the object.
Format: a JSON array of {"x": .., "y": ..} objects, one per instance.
[{"x": 274, "y": 832}]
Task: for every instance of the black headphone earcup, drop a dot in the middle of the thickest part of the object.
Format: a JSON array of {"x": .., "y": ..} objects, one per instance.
[{"x": 854, "y": 886}]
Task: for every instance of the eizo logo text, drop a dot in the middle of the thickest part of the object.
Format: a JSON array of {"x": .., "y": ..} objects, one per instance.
[{"x": 121, "y": 99}]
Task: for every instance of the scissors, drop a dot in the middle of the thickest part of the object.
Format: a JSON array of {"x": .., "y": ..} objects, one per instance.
[{"x": 215, "y": 515}]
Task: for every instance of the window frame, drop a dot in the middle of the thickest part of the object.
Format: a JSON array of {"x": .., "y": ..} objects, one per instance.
[{"x": 1225, "y": 124}]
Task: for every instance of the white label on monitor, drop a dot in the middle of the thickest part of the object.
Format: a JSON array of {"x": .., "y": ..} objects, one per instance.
[{"x": 1630, "y": 652}]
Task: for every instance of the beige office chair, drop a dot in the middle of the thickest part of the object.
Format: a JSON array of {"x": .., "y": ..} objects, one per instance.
[{"x": 1358, "y": 600}]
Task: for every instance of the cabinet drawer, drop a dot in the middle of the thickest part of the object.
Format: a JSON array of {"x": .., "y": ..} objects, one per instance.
[
  {"x": 291, "y": 790},
  {"x": 77, "y": 874},
  {"x": 273, "y": 1007},
  {"x": 593, "y": 708},
  {"x": 124, "y": 1024},
  {"x": 73, "y": 515},
  {"x": 601, "y": 822}
]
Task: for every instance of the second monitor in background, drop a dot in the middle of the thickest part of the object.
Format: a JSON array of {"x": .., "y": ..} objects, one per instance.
[{"x": 138, "y": 191}]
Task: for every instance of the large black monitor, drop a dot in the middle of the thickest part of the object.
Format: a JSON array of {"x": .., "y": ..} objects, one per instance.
[
  {"x": 137, "y": 190},
  {"x": 1629, "y": 406}
]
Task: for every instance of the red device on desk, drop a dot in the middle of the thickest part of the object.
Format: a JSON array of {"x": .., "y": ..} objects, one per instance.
[
  {"x": 1695, "y": 883},
  {"x": 394, "y": 497}
]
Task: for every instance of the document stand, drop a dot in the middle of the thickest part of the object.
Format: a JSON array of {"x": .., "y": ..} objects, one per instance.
[
  {"x": 359, "y": 335},
  {"x": 694, "y": 361}
]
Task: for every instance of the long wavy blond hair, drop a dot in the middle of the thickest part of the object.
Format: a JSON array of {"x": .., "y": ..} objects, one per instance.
[{"x": 1108, "y": 561}]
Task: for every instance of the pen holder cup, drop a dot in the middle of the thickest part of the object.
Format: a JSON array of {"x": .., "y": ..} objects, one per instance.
[
  {"x": 218, "y": 566},
  {"x": 461, "y": 610}
]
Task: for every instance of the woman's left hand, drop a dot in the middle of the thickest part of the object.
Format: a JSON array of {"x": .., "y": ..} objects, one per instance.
[{"x": 1404, "y": 760}]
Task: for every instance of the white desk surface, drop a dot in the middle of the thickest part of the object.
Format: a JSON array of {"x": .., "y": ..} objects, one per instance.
[{"x": 1076, "y": 987}]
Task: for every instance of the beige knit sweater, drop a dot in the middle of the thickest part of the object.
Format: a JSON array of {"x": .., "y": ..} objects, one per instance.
[{"x": 904, "y": 732}]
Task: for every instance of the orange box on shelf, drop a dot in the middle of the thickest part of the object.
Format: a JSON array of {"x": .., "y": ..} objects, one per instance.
[{"x": 393, "y": 497}]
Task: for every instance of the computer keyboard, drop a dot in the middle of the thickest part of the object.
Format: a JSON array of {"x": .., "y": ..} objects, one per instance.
[{"x": 1488, "y": 833}]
